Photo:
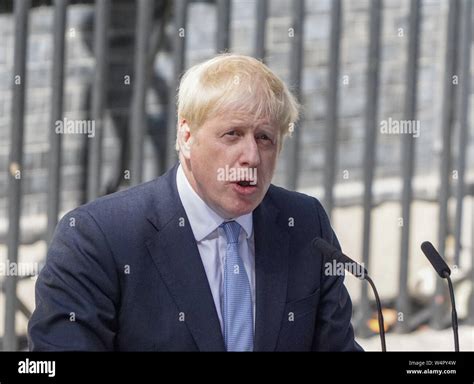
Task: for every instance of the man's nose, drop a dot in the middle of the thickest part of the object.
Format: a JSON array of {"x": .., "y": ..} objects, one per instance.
[{"x": 250, "y": 155}]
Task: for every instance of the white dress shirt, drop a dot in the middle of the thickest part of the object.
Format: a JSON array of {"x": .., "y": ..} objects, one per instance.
[{"x": 212, "y": 242}]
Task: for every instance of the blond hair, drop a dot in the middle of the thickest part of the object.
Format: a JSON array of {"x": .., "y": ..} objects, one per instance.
[{"x": 237, "y": 83}]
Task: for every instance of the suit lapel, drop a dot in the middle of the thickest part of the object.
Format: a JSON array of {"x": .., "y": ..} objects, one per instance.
[
  {"x": 271, "y": 269},
  {"x": 177, "y": 259},
  {"x": 176, "y": 256}
]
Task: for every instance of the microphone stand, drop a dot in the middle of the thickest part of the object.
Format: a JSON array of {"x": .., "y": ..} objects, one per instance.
[{"x": 379, "y": 313}]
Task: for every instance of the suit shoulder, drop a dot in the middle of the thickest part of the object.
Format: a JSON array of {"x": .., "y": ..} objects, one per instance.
[
  {"x": 130, "y": 203},
  {"x": 296, "y": 204},
  {"x": 286, "y": 199},
  {"x": 137, "y": 195}
]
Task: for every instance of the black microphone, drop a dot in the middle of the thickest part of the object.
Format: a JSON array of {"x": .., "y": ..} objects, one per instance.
[
  {"x": 443, "y": 270},
  {"x": 331, "y": 252}
]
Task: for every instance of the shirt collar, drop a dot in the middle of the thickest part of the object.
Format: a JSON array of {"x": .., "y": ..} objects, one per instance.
[{"x": 196, "y": 209}]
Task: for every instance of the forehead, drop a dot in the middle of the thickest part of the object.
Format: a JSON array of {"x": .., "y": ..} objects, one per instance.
[{"x": 240, "y": 120}]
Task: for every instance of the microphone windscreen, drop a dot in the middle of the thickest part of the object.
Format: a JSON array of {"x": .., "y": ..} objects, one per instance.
[
  {"x": 331, "y": 252},
  {"x": 327, "y": 249},
  {"x": 435, "y": 259}
]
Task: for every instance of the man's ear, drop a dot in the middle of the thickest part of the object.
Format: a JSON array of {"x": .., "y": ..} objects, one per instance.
[{"x": 184, "y": 138}]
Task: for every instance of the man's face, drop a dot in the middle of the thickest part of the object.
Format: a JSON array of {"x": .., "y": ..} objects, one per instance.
[{"x": 223, "y": 153}]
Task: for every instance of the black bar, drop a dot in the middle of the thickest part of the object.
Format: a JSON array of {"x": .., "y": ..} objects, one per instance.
[
  {"x": 404, "y": 367},
  {"x": 223, "y": 25},
  {"x": 372, "y": 97},
  {"x": 16, "y": 167},
  {"x": 179, "y": 57},
  {"x": 408, "y": 159},
  {"x": 296, "y": 65},
  {"x": 138, "y": 115},
  {"x": 332, "y": 127},
  {"x": 262, "y": 14},
  {"x": 99, "y": 86},
  {"x": 447, "y": 115},
  {"x": 55, "y": 139}
]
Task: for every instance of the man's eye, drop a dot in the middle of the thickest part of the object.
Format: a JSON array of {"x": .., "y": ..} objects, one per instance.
[
  {"x": 231, "y": 133},
  {"x": 264, "y": 137}
]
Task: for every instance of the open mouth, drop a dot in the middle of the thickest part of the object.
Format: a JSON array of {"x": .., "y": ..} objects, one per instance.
[
  {"x": 246, "y": 183},
  {"x": 245, "y": 187}
]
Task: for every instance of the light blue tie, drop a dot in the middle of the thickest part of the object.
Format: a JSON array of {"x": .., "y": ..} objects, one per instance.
[{"x": 237, "y": 307}]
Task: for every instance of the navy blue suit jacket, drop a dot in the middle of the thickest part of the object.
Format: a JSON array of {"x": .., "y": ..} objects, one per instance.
[{"x": 124, "y": 273}]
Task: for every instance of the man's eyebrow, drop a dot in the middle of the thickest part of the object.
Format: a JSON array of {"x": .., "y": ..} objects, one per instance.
[
  {"x": 266, "y": 126},
  {"x": 245, "y": 124}
]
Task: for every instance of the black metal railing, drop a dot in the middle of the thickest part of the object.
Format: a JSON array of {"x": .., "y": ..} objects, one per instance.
[{"x": 455, "y": 110}]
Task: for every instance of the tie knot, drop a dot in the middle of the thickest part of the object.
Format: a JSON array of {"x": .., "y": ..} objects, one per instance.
[{"x": 232, "y": 231}]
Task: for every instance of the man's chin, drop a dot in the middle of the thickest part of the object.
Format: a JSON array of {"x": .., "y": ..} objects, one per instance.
[{"x": 241, "y": 209}]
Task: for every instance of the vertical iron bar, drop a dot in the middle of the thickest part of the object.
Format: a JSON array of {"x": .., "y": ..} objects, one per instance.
[
  {"x": 179, "y": 59},
  {"x": 330, "y": 163},
  {"x": 408, "y": 158},
  {"x": 445, "y": 165},
  {"x": 223, "y": 25},
  {"x": 373, "y": 72},
  {"x": 21, "y": 8},
  {"x": 296, "y": 67},
  {"x": 99, "y": 86},
  {"x": 262, "y": 13},
  {"x": 55, "y": 139},
  {"x": 137, "y": 126},
  {"x": 464, "y": 84},
  {"x": 470, "y": 305}
]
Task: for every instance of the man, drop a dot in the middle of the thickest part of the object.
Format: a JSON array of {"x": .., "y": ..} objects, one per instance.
[{"x": 208, "y": 257}]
